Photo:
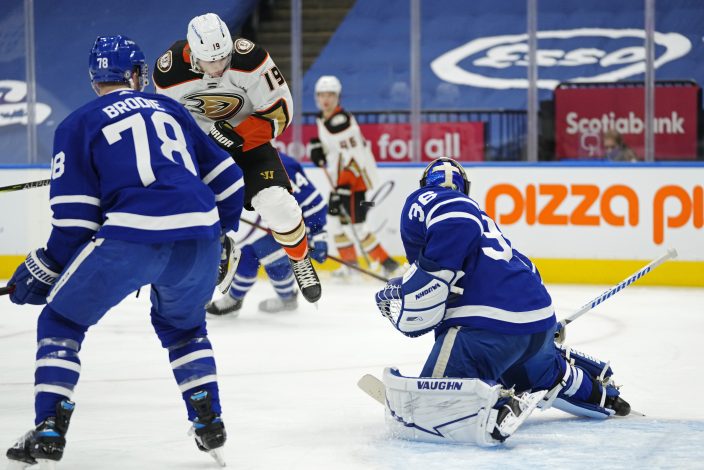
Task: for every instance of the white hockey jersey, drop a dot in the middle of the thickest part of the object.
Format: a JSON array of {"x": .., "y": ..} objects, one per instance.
[
  {"x": 252, "y": 95},
  {"x": 349, "y": 156}
]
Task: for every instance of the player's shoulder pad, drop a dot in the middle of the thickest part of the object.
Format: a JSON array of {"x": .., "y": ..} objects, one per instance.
[
  {"x": 247, "y": 56},
  {"x": 174, "y": 67},
  {"x": 339, "y": 121}
]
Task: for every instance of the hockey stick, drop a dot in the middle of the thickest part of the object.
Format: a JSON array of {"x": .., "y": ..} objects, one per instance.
[
  {"x": 334, "y": 258},
  {"x": 346, "y": 215},
  {"x": 373, "y": 387},
  {"x": 560, "y": 334},
  {"x": 21, "y": 186},
  {"x": 7, "y": 290}
]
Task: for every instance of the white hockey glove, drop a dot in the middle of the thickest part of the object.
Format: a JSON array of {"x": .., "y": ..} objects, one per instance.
[{"x": 415, "y": 304}]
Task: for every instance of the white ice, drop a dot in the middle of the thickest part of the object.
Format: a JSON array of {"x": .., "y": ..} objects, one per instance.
[{"x": 288, "y": 388}]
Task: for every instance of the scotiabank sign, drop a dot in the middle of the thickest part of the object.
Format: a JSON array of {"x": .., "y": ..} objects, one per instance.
[
  {"x": 582, "y": 115},
  {"x": 392, "y": 142}
]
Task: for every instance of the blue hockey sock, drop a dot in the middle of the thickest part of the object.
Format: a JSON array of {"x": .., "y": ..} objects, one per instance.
[
  {"x": 246, "y": 273},
  {"x": 281, "y": 277},
  {"x": 194, "y": 368},
  {"x": 58, "y": 367}
]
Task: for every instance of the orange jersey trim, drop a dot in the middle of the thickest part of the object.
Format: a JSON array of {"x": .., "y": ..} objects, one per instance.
[{"x": 255, "y": 131}]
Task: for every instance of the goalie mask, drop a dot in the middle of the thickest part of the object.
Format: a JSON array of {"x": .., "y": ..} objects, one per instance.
[
  {"x": 113, "y": 59},
  {"x": 447, "y": 173}
]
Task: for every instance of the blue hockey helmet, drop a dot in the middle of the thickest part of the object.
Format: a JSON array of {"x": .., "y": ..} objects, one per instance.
[
  {"x": 447, "y": 173},
  {"x": 113, "y": 59}
]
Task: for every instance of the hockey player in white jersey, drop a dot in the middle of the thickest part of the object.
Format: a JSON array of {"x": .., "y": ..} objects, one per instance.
[
  {"x": 237, "y": 94},
  {"x": 140, "y": 196},
  {"x": 493, "y": 321},
  {"x": 351, "y": 167}
]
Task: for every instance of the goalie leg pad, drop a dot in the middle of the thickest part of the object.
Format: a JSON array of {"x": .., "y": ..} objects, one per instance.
[
  {"x": 595, "y": 367},
  {"x": 585, "y": 388},
  {"x": 451, "y": 410}
]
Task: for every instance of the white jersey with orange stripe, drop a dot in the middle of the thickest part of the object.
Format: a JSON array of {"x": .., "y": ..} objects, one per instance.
[
  {"x": 252, "y": 94},
  {"x": 346, "y": 149}
]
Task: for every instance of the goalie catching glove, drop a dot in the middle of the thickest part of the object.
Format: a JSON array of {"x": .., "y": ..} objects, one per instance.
[
  {"x": 416, "y": 303},
  {"x": 227, "y": 138}
]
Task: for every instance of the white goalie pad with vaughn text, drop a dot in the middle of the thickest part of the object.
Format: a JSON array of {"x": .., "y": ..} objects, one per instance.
[{"x": 441, "y": 410}]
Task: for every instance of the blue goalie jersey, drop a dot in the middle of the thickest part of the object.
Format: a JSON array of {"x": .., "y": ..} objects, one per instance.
[
  {"x": 119, "y": 164},
  {"x": 502, "y": 289}
]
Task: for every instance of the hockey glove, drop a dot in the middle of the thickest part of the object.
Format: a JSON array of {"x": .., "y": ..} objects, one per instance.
[
  {"x": 415, "y": 304},
  {"x": 334, "y": 204},
  {"x": 319, "y": 248},
  {"x": 339, "y": 202},
  {"x": 227, "y": 138},
  {"x": 34, "y": 278},
  {"x": 317, "y": 154}
]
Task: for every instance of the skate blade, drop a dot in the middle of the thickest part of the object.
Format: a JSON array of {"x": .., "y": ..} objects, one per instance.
[
  {"x": 46, "y": 464},
  {"x": 219, "y": 456}
]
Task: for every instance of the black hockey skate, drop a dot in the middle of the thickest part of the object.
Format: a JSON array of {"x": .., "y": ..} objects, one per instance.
[
  {"x": 224, "y": 305},
  {"x": 513, "y": 411},
  {"x": 45, "y": 443},
  {"x": 618, "y": 404},
  {"x": 307, "y": 279},
  {"x": 208, "y": 428}
]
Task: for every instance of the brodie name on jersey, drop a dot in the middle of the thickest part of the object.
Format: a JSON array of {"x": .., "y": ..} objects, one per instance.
[{"x": 121, "y": 107}]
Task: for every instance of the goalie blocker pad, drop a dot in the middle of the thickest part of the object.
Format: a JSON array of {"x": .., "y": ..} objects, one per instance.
[
  {"x": 452, "y": 410},
  {"x": 416, "y": 304}
]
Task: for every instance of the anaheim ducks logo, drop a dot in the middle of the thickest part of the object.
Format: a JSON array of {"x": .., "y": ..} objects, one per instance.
[
  {"x": 164, "y": 62},
  {"x": 215, "y": 106},
  {"x": 243, "y": 46}
]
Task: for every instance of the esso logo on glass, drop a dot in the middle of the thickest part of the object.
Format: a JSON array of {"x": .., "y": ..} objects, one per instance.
[{"x": 502, "y": 52}]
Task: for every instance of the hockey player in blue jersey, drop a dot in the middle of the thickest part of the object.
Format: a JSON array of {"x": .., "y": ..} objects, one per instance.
[
  {"x": 493, "y": 321},
  {"x": 140, "y": 196},
  {"x": 262, "y": 249}
]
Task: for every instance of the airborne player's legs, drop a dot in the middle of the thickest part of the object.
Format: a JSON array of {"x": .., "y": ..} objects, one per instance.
[{"x": 267, "y": 190}]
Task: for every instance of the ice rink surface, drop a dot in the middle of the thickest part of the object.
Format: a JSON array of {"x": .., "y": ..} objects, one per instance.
[{"x": 288, "y": 388}]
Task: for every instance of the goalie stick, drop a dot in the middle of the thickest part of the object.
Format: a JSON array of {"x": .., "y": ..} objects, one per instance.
[
  {"x": 561, "y": 334},
  {"x": 21, "y": 186},
  {"x": 373, "y": 387}
]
